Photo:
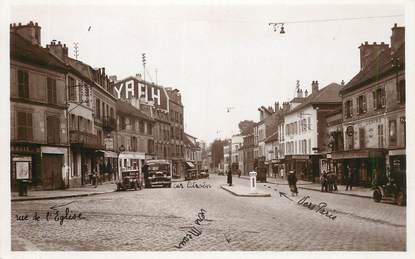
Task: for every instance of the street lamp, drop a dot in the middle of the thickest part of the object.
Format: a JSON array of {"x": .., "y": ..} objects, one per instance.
[
  {"x": 120, "y": 149},
  {"x": 276, "y": 25}
]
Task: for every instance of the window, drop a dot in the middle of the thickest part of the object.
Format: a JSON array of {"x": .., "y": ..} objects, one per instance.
[
  {"x": 309, "y": 146},
  {"x": 362, "y": 138},
  {"x": 23, "y": 83},
  {"x": 24, "y": 126},
  {"x": 361, "y": 104},
  {"x": 134, "y": 144},
  {"x": 98, "y": 109},
  {"x": 348, "y": 109},
  {"x": 72, "y": 89},
  {"x": 142, "y": 126},
  {"x": 53, "y": 130},
  {"x": 392, "y": 132},
  {"x": 150, "y": 129},
  {"x": 401, "y": 92},
  {"x": 150, "y": 144},
  {"x": 51, "y": 85},
  {"x": 123, "y": 123},
  {"x": 379, "y": 98},
  {"x": 380, "y": 135},
  {"x": 309, "y": 123}
]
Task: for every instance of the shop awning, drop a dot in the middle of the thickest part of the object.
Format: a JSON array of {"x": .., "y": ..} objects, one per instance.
[
  {"x": 363, "y": 153},
  {"x": 190, "y": 164},
  {"x": 132, "y": 155},
  {"x": 108, "y": 153},
  {"x": 397, "y": 152}
]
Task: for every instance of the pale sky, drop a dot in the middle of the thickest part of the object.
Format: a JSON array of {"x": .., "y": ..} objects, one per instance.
[{"x": 219, "y": 56}]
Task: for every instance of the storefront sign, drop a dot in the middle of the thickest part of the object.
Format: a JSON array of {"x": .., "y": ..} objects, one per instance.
[
  {"x": 300, "y": 157},
  {"x": 22, "y": 170},
  {"x": 109, "y": 143}
]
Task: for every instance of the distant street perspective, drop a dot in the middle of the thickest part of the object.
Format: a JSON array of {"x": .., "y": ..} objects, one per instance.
[
  {"x": 158, "y": 219},
  {"x": 208, "y": 128}
]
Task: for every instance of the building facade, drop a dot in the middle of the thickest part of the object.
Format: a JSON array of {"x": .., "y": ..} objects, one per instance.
[
  {"x": 38, "y": 111},
  {"x": 374, "y": 120},
  {"x": 176, "y": 114}
]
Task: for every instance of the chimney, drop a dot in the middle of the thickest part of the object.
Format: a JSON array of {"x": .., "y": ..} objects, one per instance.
[
  {"x": 285, "y": 106},
  {"x": 30, "y": 31},
  {"x": 276, "y": 106},
  {"x": 305, "y": 93},
  {"x": 342, "y": 83},
  {"x": 314, "y": 87},
  {"x": 58, "y": 50},
  {"x": 397, "y": 38},
  {"x": 368, "y": 52}
]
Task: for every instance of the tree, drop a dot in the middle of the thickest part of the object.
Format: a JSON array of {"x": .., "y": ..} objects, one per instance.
[
  {"x": 217, "y": 152},
  {"x": 246, "y": 127}
]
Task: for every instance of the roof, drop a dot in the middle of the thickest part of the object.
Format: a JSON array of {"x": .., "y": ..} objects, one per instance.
[
  {"x": 127, "y": 108},
  {"x": 380, "y": 67},
  {"x": 188, "y": 142},
  {"x": 273, "y": 137},
  {"x": 25, "y": 51},
  {"x": 326, "y": 95}
]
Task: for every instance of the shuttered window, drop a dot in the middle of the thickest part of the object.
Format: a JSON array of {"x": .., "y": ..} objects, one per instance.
[
  {"x": 24, "y": 126},
  {"x": 53, "y": 130},
  {"x": 51, "y": 85},
  {"x": 23, "y": 84}
]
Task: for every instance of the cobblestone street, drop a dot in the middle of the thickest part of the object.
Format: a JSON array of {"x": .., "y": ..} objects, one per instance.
[{"x": 158, "y": 219}]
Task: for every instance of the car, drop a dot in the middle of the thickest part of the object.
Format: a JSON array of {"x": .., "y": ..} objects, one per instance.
[
  {"x": 130, "y": 179},
  {"x": 204, "y": 174}
]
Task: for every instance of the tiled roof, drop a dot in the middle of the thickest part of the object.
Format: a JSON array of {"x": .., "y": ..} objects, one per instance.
[
  {"x": 25, "y": 51},
  {"x": 380, "y": 67},
  {"x": 326, "y": 95},
  {"x": 127, "y": 108}
]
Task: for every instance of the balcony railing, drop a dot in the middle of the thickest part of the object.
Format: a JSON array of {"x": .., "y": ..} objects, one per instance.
[
  {"x": 108, "y": 124},
  {"x": 86, "y": 140}
]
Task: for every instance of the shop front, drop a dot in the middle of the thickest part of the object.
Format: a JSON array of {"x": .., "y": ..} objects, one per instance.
[
  {"x": 109, "y": 166},
  {"x": 365, "y": 165},
  {"x": 306, "y": 167},
  {"x": 25, "y": 165},
  {"x": 397, "y": 160}
]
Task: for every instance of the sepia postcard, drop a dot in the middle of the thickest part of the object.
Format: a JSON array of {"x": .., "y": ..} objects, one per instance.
[{"x": 221, "y": 129}]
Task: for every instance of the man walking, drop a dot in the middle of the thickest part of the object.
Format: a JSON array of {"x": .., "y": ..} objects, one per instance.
[
  {"x": 230, "y": 176},
  {"x": 349, "y": 178}
]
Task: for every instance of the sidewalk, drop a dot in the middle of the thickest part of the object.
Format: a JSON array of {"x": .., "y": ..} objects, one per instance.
[
  {"x": 243, "y": 191},
  {"x": 87, "y": 190},
  {"x": 279, "y": 181},
  {"x": 357, "y": 191}
]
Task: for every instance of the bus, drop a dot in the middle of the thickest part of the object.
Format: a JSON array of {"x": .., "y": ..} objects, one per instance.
[{"x": 157, "y": 173}]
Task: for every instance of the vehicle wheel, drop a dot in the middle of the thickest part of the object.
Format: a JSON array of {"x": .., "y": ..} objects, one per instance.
[
  {"x": 400, "y": 199},
  {"x": 377, "y": 196}
]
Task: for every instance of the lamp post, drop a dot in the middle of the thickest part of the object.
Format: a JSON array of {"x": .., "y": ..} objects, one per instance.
[{"x": 120, "y": 149}]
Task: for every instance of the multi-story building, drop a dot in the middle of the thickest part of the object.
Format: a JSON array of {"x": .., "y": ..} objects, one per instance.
[
  {"x": 374, "y": 112},
  {"x": 91, "y": 108},
  {"x": 236, "y": 144},
  {"x": 135, "y": 136},
  {"x": 176, "y": 114},
  {"x": 38, "y": 111},
  {"x": 152, "y": 100},
  {"x": 248, "y": 153},
  {"x": 192, "y": 154},
  {"x": 306, "y": 130}
]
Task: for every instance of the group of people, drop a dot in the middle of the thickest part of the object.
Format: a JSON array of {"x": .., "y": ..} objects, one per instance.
[
  {"x": 328, "y": 182},
  {"x": 96, "y": 176}
]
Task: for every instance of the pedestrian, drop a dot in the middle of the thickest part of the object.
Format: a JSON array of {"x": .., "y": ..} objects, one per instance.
[
  {"x": 292, "y": 183},
  {"x": 144, "y": 169},
  {"x": 94, "y": 178},
  {"x": 239, "y": 173},
  {"x": 230, "y": 176},
  {"x": 110, "y": 172},
  {"x": 334, "y": 181},
  {"x": 282, "y": 172},
  {"x": 349, "y": 178},
  {"x": 329, "y": 182},
  {"x": 323, "y": 181}
]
